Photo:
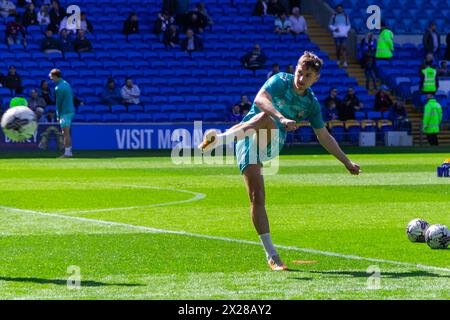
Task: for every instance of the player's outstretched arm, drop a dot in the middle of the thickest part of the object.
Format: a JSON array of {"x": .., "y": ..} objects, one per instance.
[
  {"x": 263, "y": 101},
  {"x": 330, "y": 144}
]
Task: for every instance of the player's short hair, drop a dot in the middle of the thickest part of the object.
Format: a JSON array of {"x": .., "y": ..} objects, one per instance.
[
  {"x": 56, "y": 73},
  {"x": 310, "y": 60}
]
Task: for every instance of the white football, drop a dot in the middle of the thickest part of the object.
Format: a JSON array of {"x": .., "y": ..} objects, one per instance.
[
  {"x": 19, "y": 123},
  {"x": 415, "y": 230},
  {"x": 437, "y": 236}
]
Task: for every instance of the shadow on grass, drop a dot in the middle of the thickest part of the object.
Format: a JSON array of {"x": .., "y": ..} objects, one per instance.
[
  {"x": 62, "y": 282},
  {"x": 392, "y": 275}
]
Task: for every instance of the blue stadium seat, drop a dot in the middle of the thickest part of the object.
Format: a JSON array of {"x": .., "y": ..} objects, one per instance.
[
  {"x": 118, "y": 108},
  {"x": 110, "y": 117},
  {"x": 79, "y": 118},
  {"x": 135, "y": 108},
  {"x": 85, "y": 109},
  {"x": 102, "y": 109},
  {"x": 144, "y": 117},
  {"x": 177, "y": 117},
  {"x": 150, "y": 108},
  {"x": 161, "y": 117},
  {"x": 126, "y": 117},
  {"x": 212, "y": 117},
  {"x": 93, "y": 117}
]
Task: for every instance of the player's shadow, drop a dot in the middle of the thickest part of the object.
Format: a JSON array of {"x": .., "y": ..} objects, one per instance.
[
  {"x": 392, "y": 275},
  {"x": 63, "y": 282}
]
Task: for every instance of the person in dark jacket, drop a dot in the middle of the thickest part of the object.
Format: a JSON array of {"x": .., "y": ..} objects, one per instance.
[
  {"x": 383, "y": 101},
  {"x": 57, "y": 13},
  {"x": 81, "y": 43},
  {"x": 171, "y": 36},
  {"x": 13, "y": 81},
  {"x": 131, "y": 25},
  {"x": 349, "y": 105},
  {"x": 47, "y": 93},
  {"x": 191, "y": 43},
  {"x": 432, "y": 41},
  {"x": 254, "y": 59},
  {"x": 111, "y": 94},
  {"x": 30, "y": 16}
]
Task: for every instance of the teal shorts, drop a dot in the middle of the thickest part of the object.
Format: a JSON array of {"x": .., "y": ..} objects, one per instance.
[
  {"x": 247, "y": 149},
  {"x": 65, "y": 120}
]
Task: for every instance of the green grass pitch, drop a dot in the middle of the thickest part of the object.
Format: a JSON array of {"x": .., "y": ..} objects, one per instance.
[{"x": 139, "y": 227}]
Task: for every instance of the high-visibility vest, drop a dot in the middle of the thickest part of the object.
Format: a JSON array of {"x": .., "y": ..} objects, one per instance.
[
  {"x": 385, "y": 45},
  {"x": 429, "y": 82},
  {"x": 432, "y": 117}
]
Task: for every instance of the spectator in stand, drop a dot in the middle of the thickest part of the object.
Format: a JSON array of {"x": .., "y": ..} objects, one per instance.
[
  {"x": 49, "y": 44},
  {"x": 298, "y": 22},
  {"x": 349, "y": 105},
  {"x": 200, "y": 7},
  {"x": 368, "y": 43},
  {"x": 35, "y": 101},
  {"x": 429, "y": 81},
  {"x": 13, "y": 81},
  {"x": 51, "y": 116},
  {"x": 191, "y": 43},
  {"x": 244, "y": 105},
  {"x": 85, "y": 24},
  {"x": 274, "y": 71},
  {"x": 431, "y": 41},
  {"x": 40, "y": 118},
  {"x": 15, "y": 33},
  {"x": 340, "y": 26},
  {"x": 131, "y": 25},
  {"x": 282, "y": 25},
  {"x": 383, "y": 101},
  {"x": 385, "y": 44},
  {"x": 30, "y": 16},
  {"x": 7, "y": 8},
  {"x": 443, "y": 70},
  {"x": 329, "y": 112},
  {"x": 130, "y": 93},
  {"x": 368, "y": 61},
  {"x": 195, "y": 21},
  {"x": 47, "y": 93},
  {"x": 261, "y": 8},
  {"x": 274, "y": 8},
  {"x": 111, "y": 94},
  {"x": 235, "y": 114},
  {"x": 162, "y": 24},
  {"x": 57, "y": 14},
  {"x": 65, "y": 42},
  {"x": 171, "y": 37},
  {"x": 2, "y": 81},
  {"x": 399, "y": 116},
  {"x": 333, "y": 99},
  {"x": 81, "y": 43},
  {"x": 290, "y": 69},
  {"x": 43, "y": 17},
  {"x": 254, "y": 60}
]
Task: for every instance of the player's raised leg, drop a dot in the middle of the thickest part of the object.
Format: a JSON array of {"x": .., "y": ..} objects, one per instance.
[{"x": 213, "y": 138}]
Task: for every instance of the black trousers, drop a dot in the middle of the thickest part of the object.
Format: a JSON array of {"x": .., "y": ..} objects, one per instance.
[{"x": 433, "y": 139}]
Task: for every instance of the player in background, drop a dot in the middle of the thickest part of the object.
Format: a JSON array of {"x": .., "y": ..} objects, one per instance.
[
  {"x": 65, "y": 110},
  {"x": 284, "y": 100}
]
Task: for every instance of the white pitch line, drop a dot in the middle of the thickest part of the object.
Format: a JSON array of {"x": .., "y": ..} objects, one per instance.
[
  {"x": 188, "y": 234},
  {"x": 197, "y": 196}
]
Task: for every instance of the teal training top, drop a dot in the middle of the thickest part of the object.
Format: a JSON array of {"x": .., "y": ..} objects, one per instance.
[
  {"x": 64, "y": 98},
  {"x": 289, "y": 103}
]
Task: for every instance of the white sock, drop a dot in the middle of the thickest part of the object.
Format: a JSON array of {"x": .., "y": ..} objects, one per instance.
[
  {"x": 68, "y": 151},
  {"x": 268, "y": 245}
]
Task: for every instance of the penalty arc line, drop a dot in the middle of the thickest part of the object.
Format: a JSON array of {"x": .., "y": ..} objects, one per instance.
[{"x": 188, "y": 234}]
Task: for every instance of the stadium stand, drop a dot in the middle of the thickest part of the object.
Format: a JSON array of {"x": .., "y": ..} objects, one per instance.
[{"x": 176, "y": 87}]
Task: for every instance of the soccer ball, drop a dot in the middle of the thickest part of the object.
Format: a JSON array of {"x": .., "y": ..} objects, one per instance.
[
  {"x": 415, "y": 230},
  {"x": 19, "y": 123},
  {"x": 437, "y": 236}
]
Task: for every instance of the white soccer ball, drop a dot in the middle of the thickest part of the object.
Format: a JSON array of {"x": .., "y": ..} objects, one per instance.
[
  {"x": 19, "y": 123},
  {"x": 437, "y": 236},
  {"x": 415, "y": 230}
]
